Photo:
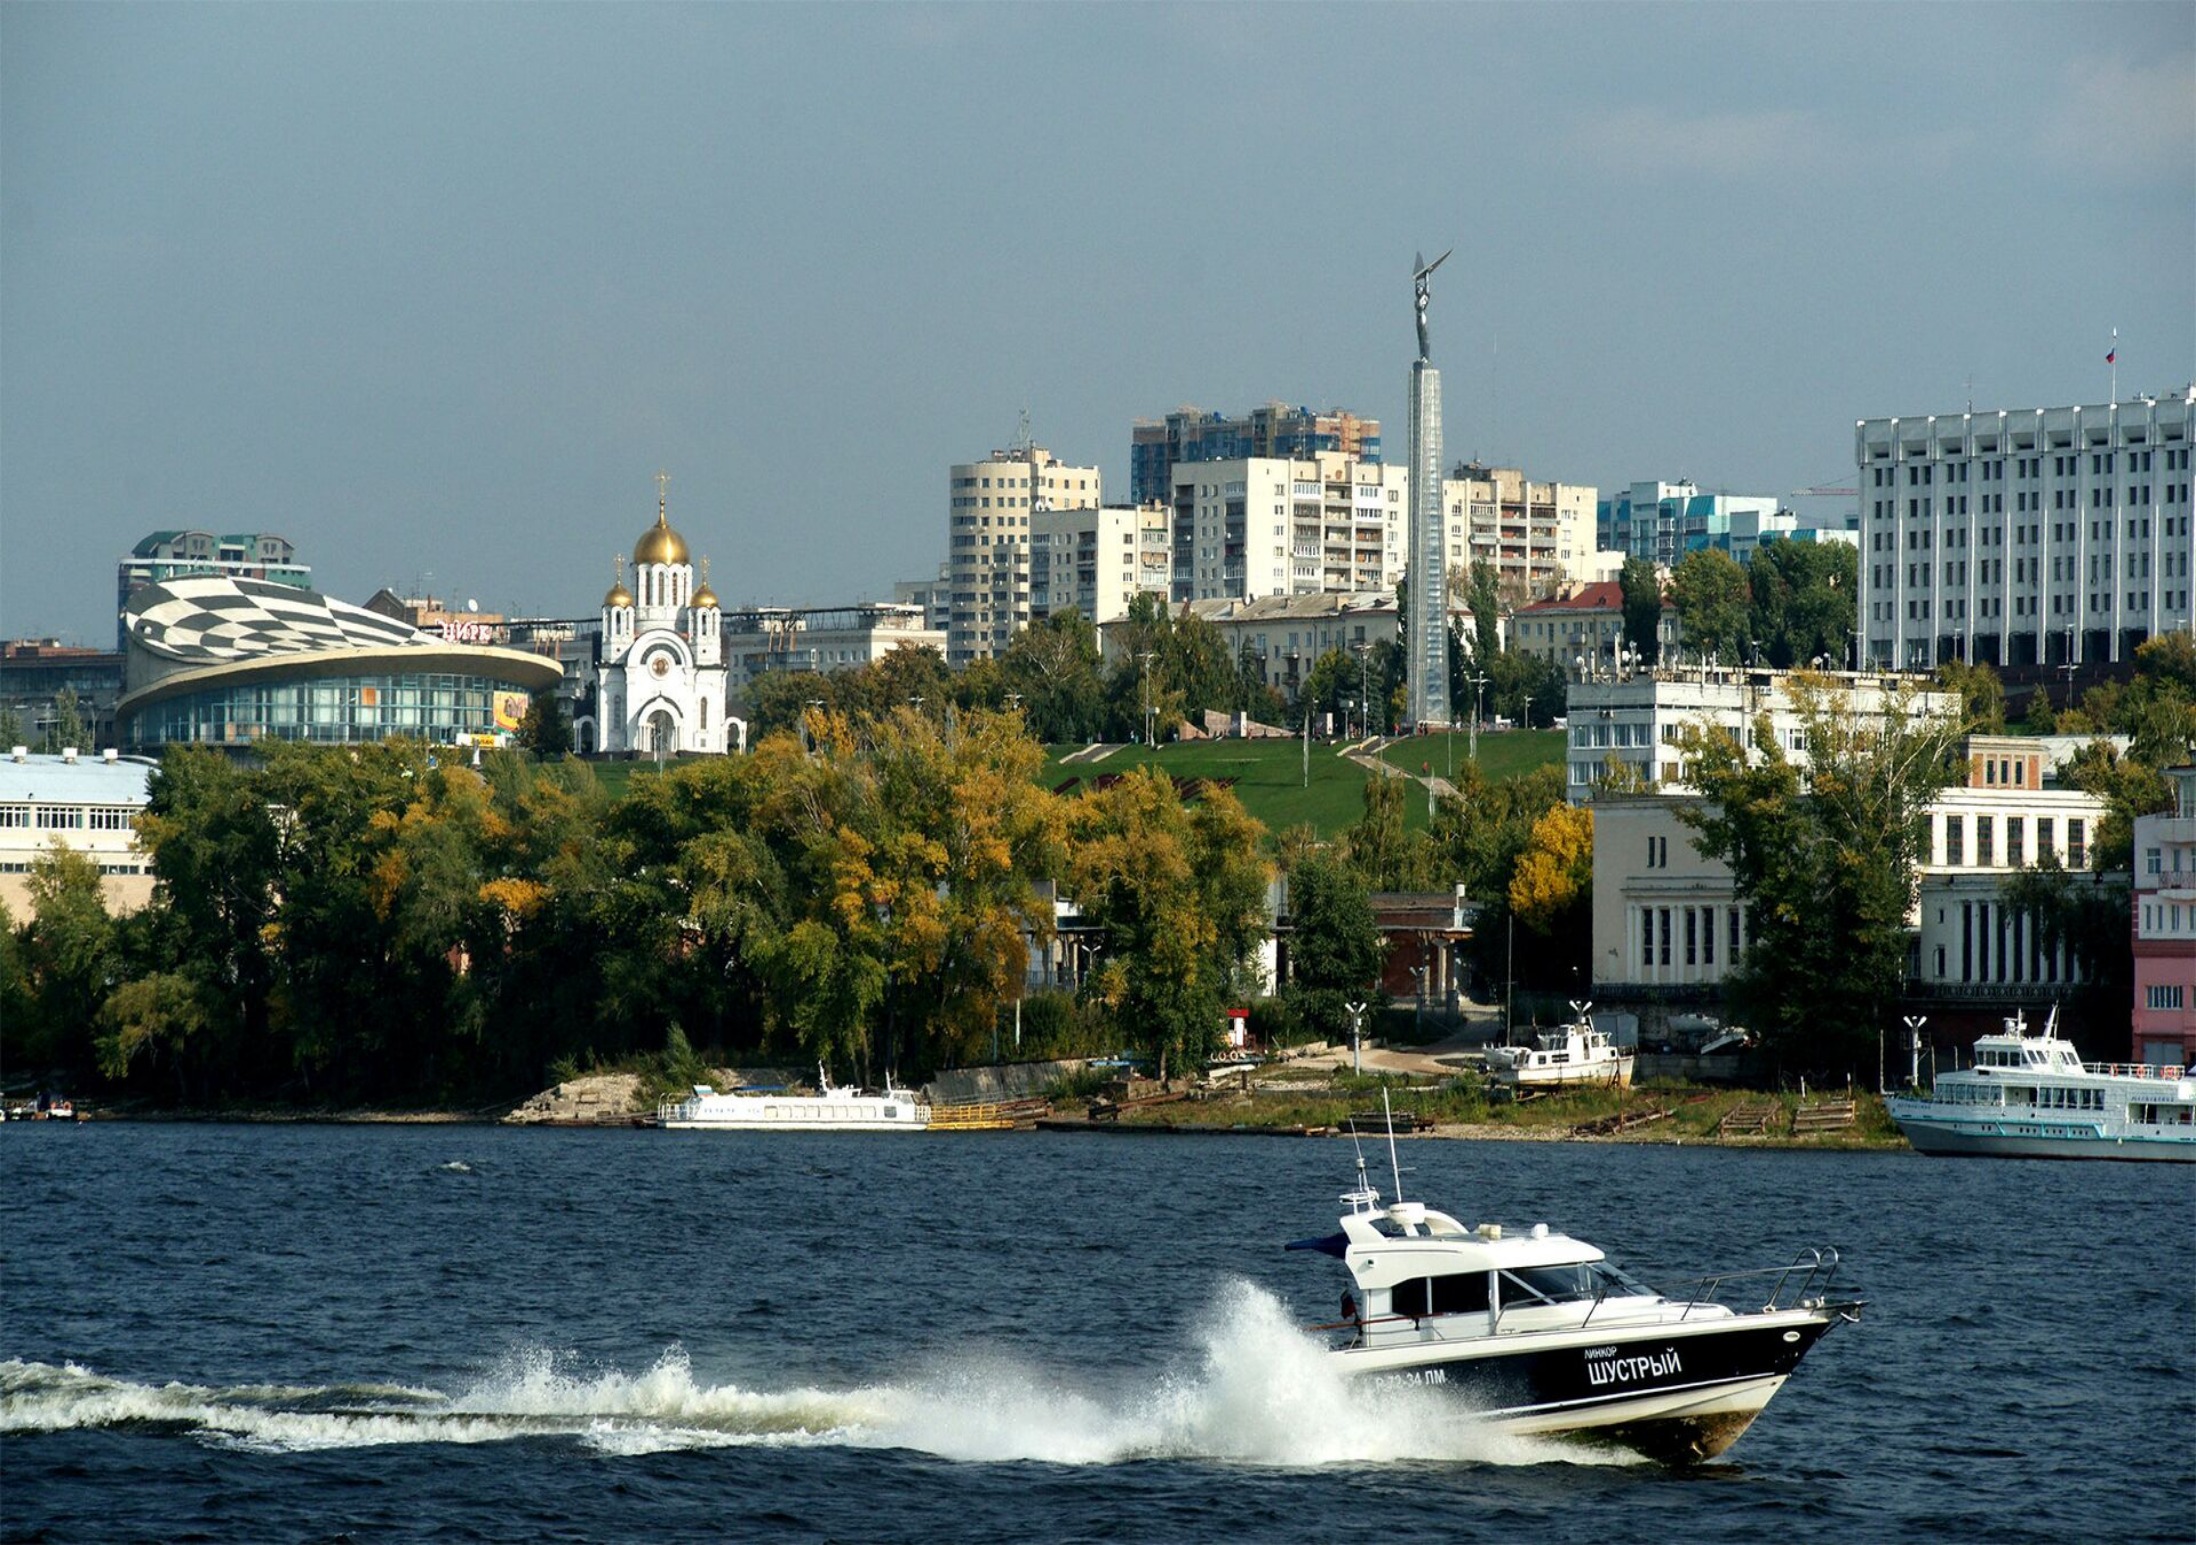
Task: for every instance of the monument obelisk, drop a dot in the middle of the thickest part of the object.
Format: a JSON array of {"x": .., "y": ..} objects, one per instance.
[{"x": 1428, "y": 549}]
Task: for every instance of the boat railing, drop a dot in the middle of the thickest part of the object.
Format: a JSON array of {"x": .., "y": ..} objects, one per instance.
[
  {"x": 1807, "y": 1278},
  {"x": 2135, "y": 1070}
]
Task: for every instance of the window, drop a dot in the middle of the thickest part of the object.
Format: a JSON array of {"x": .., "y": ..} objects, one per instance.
[
  {"x": 15, "y": 815},
  {"x": 1985, "y": 843},
  {"x": 2164, "y": 997},
  {"x": 2154, "y": 861},
  {"x": 1459, "y": 1293},
  {"x": 1692, "y": 944},
  {"x": 2077, "y": 849},
  {"x": 1955, "y": 840},
  {"x": 2016, "y": 853},
  {"x": 2046, "y": 839}
]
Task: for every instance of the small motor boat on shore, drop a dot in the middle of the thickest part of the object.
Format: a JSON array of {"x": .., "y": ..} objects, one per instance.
[
  {"x": 1575, "y": 1054},
  {"x": 1543, "y": 1334}
]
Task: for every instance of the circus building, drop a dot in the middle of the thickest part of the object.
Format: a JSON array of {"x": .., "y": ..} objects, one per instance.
[
  {"x": 228, "y": 662},
  {"x": 653, "y": 684}
]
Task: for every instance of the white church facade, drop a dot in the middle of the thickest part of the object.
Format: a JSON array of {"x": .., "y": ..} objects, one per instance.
[{"x": 654, "y": 683}]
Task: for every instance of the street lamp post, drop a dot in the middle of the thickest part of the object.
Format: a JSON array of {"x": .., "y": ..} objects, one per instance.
[
  {"x": 1364, "y": 693},
  {"x": 1914, "y": 1023},
  {"x": 1479, "y": 687},
  {"x": 1357, "y": 1036}
]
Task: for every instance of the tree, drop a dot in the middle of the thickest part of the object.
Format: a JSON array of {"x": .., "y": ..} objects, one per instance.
[
  {"x": 69, "y": 958},
  {"x": 1551, "y": 890},
  {"x": 1803, "y": 602},
  {"x": 546, "y": 731},
  {"x": 1982, "y": 695},
  {"x": 1709, "y": 591},
  {"x": 1055, "y": 665},
  {"x": 1485, "y": 604},
  {"x": 11, "y": 728},
  {"x": 67, "y": 728},
  {"x": 1641, "y": 589},
  {"x": 1335, "y": 949},
  {"x": 1827, "y": 858},
  {"x": 2087, "y": 914},
  {"x": 1178, "y": 897}
]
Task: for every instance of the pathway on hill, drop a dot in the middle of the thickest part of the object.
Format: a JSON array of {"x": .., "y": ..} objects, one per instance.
[{"x": 1366, "y": 754}]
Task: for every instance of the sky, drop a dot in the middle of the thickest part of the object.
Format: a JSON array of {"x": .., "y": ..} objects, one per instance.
[{"x": 435, "y": 291}]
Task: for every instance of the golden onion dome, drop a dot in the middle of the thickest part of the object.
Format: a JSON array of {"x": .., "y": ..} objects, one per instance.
[
  {"x": 706, "y": 597},
  {"x": 659, "y": 543},
  {"x": 618, "y": 595}
]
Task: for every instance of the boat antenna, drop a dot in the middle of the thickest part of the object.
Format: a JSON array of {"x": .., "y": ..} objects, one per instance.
[{"x": 1387, "y": 1111}]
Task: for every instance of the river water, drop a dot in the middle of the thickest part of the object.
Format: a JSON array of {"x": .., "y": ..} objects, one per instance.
[{"x": 467, "y": 1333}]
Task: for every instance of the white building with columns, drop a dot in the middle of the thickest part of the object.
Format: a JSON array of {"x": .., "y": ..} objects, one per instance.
[
  {"x": 654, "y": 683},
  {"x": 1668, "y": 921}
]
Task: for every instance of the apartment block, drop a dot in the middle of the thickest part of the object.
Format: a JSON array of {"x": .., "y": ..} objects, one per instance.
[
  {"x": 2026, "y": 536},
  {"x": 1259, "y": 526},
  {"x": 1275, "y": 431},
  {"x": 1098, "y": 560},
  {"x": 1664, "y": 522},
  {"x": 1537, "y": 535},
  {"x": 166, "y": 555},
  {"x": 988, "y": 524}
]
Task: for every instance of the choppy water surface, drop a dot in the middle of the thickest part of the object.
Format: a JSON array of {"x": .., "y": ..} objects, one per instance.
[{"x": 219, "y": 1333}]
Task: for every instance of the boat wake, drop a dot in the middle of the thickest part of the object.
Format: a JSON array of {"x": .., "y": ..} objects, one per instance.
[{"x": 1257, "y": 1391}]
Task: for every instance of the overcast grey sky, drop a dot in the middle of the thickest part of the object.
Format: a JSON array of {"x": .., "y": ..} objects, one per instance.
[{"x": 435, "y": 290}]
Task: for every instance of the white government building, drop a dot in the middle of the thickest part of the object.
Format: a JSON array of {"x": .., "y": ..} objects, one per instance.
[{"x": 2025, "y": 537}]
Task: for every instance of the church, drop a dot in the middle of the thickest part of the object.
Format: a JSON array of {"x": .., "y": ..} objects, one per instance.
[{"x": 653, "y": 684}]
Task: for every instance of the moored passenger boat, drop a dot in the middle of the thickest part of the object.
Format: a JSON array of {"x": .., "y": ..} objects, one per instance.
[
  {"x": 831, "y": 1109},
  {"x": 2032, "y": 1097}
]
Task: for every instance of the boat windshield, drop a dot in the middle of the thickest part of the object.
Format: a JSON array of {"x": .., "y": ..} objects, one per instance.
[{"x": 1581, "y": 1281}]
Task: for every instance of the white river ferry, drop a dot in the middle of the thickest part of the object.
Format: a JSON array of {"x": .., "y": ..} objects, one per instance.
[
  {"x": 831, "y": 1109},
  {"x": 2032, "y": 1097},
  {"x": 1541, "y": 1333}
]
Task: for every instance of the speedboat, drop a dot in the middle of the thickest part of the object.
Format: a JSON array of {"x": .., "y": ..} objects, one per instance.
[
  {"x": 1543, "y": 1334},
  {"x": 833, "y": 1108},
  {"x": 2032, "y": 1097},
  {"x": 1575, "y": 1054}
]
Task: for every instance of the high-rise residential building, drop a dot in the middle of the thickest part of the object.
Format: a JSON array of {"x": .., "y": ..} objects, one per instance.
[
  {"x": 1537, "y": 535},
  {"x": 2027, "y": 536},
  {"x": 166, "y": 555},
  {"x": 1262, "y": 526},
  {"x": 1275, "y": 431},
  {"x": 1663, "y": 522},
  {"x": 1097, "y": 560},
  {"x": 991, "y": 503}
]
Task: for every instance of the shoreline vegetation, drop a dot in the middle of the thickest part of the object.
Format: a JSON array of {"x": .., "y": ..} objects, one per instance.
[{"x": 1283, "y": 1099}]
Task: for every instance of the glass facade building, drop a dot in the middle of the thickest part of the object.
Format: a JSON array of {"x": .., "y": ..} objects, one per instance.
[{"x": 444, "y": 707}]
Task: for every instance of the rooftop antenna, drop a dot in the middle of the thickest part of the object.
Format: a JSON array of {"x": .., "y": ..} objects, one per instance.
[{"x": 1022, "y": 441}]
